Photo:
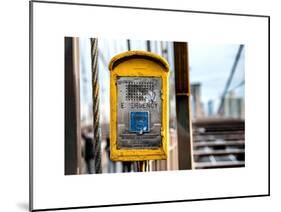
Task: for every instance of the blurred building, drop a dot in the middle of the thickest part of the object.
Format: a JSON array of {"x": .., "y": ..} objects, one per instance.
[
  {"x": 210, "y": 108},
  {"x": 233, "y": 107},
  {"x": 196, "y": 102}
]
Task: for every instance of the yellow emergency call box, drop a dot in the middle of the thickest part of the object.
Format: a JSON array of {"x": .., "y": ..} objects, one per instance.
[{"x": 139, "y": 109}]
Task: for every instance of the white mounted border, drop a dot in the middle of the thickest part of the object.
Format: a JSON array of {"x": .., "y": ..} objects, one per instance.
[{"x": 51, "y": 22}]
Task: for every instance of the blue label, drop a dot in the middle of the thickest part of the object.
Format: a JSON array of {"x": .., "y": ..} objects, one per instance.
[{"x": 139, "y": 122}]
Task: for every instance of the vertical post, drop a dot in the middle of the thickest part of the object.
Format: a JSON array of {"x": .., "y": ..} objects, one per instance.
[
  {"x": 129, "y": 45},
  {"x": 143, "y": 166},
  {"x": 96, "y": 110},
  {"x": 148, "y": 46},
  {"x": 185, "y": 148},
  {"x": 72, "y": 107}
]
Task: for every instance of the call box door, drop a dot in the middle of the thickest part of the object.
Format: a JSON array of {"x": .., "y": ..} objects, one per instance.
[{"x": 139, "y": 112}]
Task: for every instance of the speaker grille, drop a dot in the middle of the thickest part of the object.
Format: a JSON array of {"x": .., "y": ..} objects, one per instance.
[{"x": 136, "y": 91}]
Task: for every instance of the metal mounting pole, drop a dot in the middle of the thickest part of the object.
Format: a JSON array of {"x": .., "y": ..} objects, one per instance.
[{"x": 184, "y": 125}]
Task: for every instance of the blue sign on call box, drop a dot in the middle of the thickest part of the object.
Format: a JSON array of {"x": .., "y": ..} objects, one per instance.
[{"x": 139, "y": 122}]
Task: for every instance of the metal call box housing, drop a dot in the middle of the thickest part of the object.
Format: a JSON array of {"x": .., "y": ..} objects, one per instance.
[{"x": 139, "y": 113}]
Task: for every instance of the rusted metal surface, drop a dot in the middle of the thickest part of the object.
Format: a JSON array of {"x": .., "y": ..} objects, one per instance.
[
  {"x": 181, "y": 68},
  {"x": 184, "y": 127}
]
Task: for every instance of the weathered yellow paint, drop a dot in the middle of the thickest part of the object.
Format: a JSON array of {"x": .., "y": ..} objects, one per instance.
[{"x": 138, "y": 64}]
